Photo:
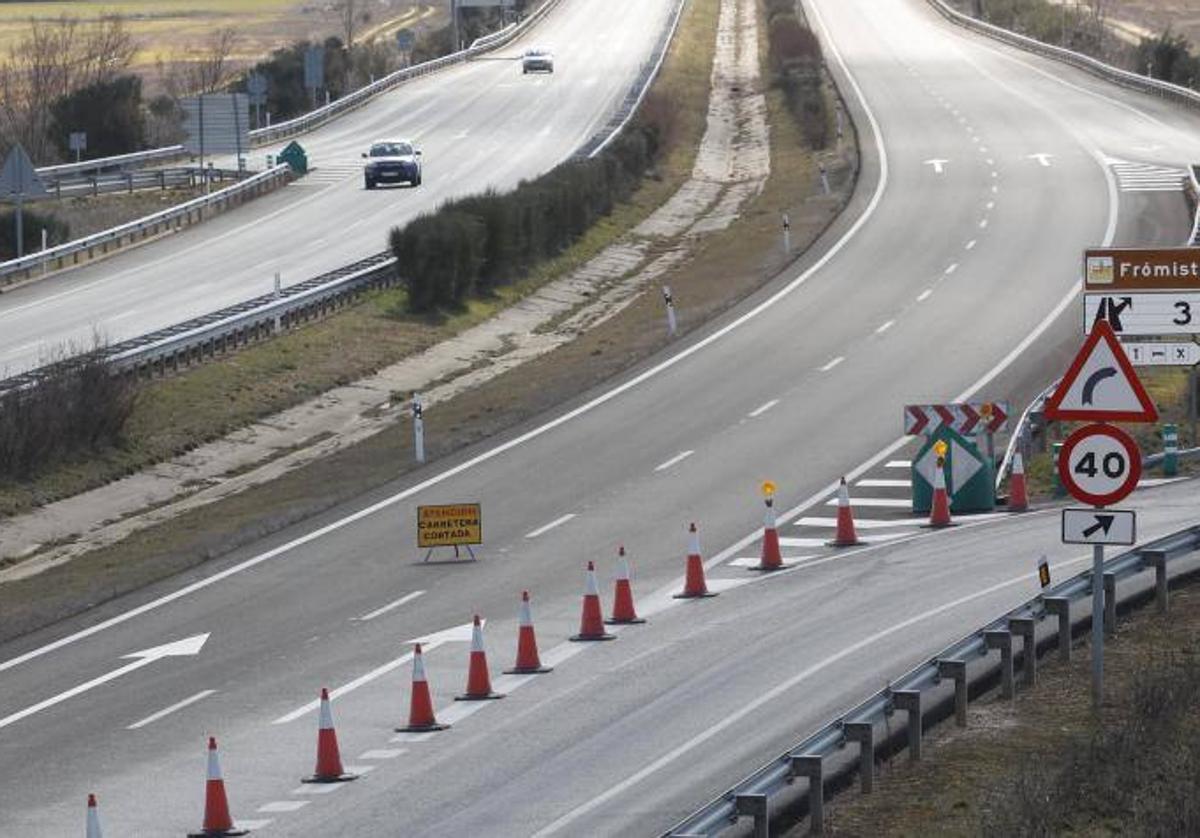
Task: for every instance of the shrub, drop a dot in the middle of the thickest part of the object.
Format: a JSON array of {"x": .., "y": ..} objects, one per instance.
[
  {"x": 32, "y": 223},
  {"x": 795, "y": 61}
]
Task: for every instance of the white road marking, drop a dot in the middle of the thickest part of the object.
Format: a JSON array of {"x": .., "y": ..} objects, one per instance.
[
  {"x": 924, "y": 295},
  {"x": 1151, "y": 482},
  {"x": 762, "y": 408},
  {"x": 360, "y": 769},
  {"x": 382, "y": 753},
  {"x": 755, "y": 561},
  {"x": 971, "y": 244},
  {"x": 861, "y": 523},
  {"x": 832, "y": 363},
  {"x": 251, "y": 825},
  {"x": 545, "y": 528},
  {"x": 770, "y": 695},
  {"x": 898, "y": 464},
  {"x": 939, "y": 165},
  {"x": 895, "y": 503},
  {"x": 885, "y": 327},
  {"x": 1043, "y": 159},
  {"x": 983, "y": 224},
  {"x": 991, "y": 162},
  {"x": 983, "y": 149},
  {"x": 154, "y": 717},
  {"x": 806, "y": 543},
  {"x": 951, "y": 268},
  {"x": 991, "y": 204},
  {"x": 883, "y": 483},
  {"x": 995, "y": 189},
  {"x": 283, "y": 806},
  {"x": 391, "y": 606},
  {"x": 318, "y": 788}
]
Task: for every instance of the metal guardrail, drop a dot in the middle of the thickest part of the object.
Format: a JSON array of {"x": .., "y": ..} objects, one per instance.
[
  {"x": 637, "y": 94},
  {"x": 120, "y": 162},
  {"x": 1134, "y": 81},
  {"x": 350, "y": 101},
  {"x": 132, "y": 179},
  {"x": 1192, "y": 192},
  {"x": 69, "y": 253},
  {"x": 905, "y": 692}
]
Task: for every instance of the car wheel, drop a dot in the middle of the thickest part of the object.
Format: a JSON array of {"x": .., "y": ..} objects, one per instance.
[{"x": 370, "y": 184}]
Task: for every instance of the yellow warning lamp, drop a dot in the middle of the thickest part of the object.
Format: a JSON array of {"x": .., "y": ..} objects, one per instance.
[
  {"x": 768, "y": 489},
  {"x": 940, "y": 448},
  {"x": 985, "y": 410}
]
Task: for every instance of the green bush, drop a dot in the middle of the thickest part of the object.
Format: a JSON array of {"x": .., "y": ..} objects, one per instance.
[{"x": 32, "y": 223}]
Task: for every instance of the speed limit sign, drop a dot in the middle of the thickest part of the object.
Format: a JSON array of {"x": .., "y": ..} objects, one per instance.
[{"x": 1100, "y": 464}]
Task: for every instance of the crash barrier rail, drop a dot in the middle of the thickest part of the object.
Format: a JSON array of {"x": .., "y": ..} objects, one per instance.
[
  {"x": 637, "y": 94},
  {"x": 119, "y": 162},
  {"x": 72, "y": 252},
  {"x": 127, "y": 181},
  {"x": 809, "y": 757},
  {"x": 1192, "y": 190},
  {"x": 1134, "y": 81},
  {"x": 237, "y": 325},
  {"x": 352, "y": 100}
]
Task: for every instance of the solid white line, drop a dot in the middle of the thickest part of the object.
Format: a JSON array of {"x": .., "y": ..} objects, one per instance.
[
  {"x": 924, "y": 295},
  {"x": 885, "y": 327},
  {"x": 859, "y": 224},
  {"x": 154, "y": 717},
  {"x": 762, "y": 408},
  {"x": 545, "y": 528},
  {"x": 884, "y": 483},
  {"x": 832, "y": 363},
  {"x": 951, "y": 268},
  {"x": 390, "y": 606}
]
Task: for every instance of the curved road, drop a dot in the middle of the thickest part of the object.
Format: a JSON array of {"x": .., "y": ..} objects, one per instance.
[
  {"x": 480, "y": 125},
  {"x": 933, "y": 286}
]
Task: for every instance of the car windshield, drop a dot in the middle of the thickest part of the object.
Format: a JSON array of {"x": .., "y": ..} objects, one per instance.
[
  {"x": 534, "y": 53},
  {"x": 391, "y": 150}
]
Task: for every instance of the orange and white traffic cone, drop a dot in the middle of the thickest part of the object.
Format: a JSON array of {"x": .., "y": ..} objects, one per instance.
[
  {"x": 217, "y": 821},
  {"x": 591, "y": 621},
  {"x": 479, "y": 681},
  {"x": 623, "y": 612},
  {"x": 1018, "y": 494},
  {"x": 329, "y": 758},
  {"x": 528, "y": 662},
  {"x": 846, "y": 536},
  {"x": 771, "y": 559},
  {"x": 939, "y": 513},
  {"x": 93, "y": 819},
  {"x": 694, "y": 585},
  {"x": 420, "y": 711}
]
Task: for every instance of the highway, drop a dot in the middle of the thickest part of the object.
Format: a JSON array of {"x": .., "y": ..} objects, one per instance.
[
  {"x": 935, "y": 285},
  {"x": 479, "y": 125}
]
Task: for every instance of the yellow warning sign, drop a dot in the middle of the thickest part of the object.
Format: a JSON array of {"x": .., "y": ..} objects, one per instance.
[{"x": 449, "y": 525}]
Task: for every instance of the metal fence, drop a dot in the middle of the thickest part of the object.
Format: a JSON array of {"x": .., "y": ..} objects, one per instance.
[
  {"x": 120, "y": 162},
  {"x": 97, "y": 183},
  {"x": 964, "y": 663},
  {"x": 73, "y": 252}
]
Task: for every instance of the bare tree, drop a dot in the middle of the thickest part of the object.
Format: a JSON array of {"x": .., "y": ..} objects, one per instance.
[
  {"x": 212, "y": 68},
  {"x": 350, "y": 14}
]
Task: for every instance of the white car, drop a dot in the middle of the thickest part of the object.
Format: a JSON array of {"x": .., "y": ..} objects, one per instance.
[
  {"x": 395, "y": 161},
  {"x": 537, "y": 60}
]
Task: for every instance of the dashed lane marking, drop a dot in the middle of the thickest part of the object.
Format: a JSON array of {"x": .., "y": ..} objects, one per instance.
[
  {"x": 833, "y": 363},
  {"x": 154, "y": 717},
  {"x": 762, "y": 408},
  {"x": 391, "y": 606},
  {"x": 860, "y": 523},
  {"x": 545, "y": 528},
  {"x": 283, "y": 806}
]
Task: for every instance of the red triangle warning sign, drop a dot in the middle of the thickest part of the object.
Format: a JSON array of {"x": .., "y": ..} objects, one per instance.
[{"x": 1100, "y": 385}]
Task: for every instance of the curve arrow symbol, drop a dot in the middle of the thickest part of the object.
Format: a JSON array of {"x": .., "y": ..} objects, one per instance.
[
  {"x": 180, "y": 648},
  {"x": 1089, "y": 386}
]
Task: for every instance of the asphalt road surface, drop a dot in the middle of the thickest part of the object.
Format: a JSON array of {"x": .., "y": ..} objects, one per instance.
[
  {"x": 479, "y": 125},
  {"x": 934, "y": 285}
]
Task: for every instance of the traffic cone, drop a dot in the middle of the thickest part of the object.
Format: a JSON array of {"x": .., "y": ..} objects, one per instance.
[
  {"x": 1018, "y": 496},
  {"x": 846, "y": 536},
  {"x": 479, "y": 682},
  {"x": 771, "y": 557},
  {"x": 939, "y": 513},
  {"x": 591, "y": 623},
  {"x": 528, "y": 662},
  {"x": 420, "y": 712},
  {"x": 694, "y": 585},
  {"x": 623, "y": 612},
  {"x": 329, "y": 758},
  {"x": 216, "y": 806},
  {"x": 93, "y": 819}
]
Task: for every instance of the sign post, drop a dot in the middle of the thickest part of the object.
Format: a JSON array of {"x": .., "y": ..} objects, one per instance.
[
  {"x": 1100, "y": 464},
  {"x": 418, "y": 420},
  {"x": 77, "y": 141}
]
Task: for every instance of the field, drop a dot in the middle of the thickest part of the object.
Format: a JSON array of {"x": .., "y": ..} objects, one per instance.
[{"x": 168, "y": 30}]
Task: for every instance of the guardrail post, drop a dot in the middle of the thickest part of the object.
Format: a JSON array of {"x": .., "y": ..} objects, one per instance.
[
  {"x": 864, "y": 734},
  {"x": 1061, "y": 607},
  {"x": 1157, "y": 559},
  {"x": 910, "y": 702},
  {"x": 958, "y": 671},
  {"x": 1027, "y": 628},
  {"x": 755, "y": 806},
  {"x": 811, "y": 766},
  {"x": 1110, "y": 604},
  {"x": 1002, "y": 640}
]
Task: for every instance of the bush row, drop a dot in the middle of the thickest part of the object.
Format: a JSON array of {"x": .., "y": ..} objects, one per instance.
[
  {"x": 796, "y": 63},
  {"x": 79, "y": 407},
  {"x": 475, "y": 244}
]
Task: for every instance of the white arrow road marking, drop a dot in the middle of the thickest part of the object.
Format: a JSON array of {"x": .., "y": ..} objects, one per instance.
[
  {"x": 1044, "y": 159},
  {"x": 180, "y": 648},
  {"x": 457, "y": 634},
  {"x": 939, "y": 166}
]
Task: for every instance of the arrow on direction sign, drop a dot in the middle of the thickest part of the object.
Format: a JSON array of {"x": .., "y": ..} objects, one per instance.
[
  {"x": 938, "y": 165},
  {"x": 180, "y": 648},
  {"x": 1103, "y": 522},
  {"x": 458, "y": 634}
]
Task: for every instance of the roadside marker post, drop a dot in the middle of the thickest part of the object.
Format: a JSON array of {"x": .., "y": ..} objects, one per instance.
[
  {"x": 787, "y": 235},
  {"x": 672, "y": 325},
  {"x": 1044, "y": 572},
  {"x": 1099, "y": 464},
  {"x": 418, "y": 420},
  {"x": 1170, "y": 436}
]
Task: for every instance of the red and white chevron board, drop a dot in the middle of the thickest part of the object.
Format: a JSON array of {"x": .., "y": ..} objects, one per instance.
[{"x": 965, "y": 417}]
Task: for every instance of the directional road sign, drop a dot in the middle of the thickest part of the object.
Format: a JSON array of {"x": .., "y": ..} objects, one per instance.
[
  {"x": 1162, "y": 353},
  {"x": 1152, "y": 313},
  {"x": 1099, "y": 526},
  {"x": 1112, "y": 270},
  {"x": 1100, "y": 385},
  {"x": 962, "y": 418},
  {"x": 1099, "y": 464}
]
